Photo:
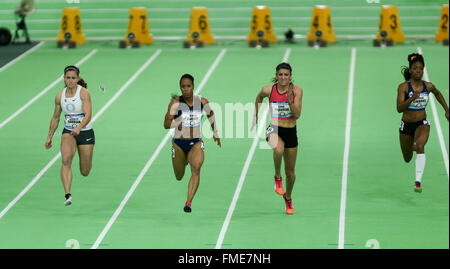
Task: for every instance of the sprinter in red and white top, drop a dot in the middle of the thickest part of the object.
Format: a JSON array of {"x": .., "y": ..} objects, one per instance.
[{"x": 285, "y": 101}]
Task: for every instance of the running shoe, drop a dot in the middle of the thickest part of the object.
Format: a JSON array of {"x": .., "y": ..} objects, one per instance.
[
  {"x": 417, "y": 187},
  {"x": 289, "y": 207},
  {"x": 279, "y": 185},
  {"x": 187, "y": 207},
  {"x": 68, "y": 200}
]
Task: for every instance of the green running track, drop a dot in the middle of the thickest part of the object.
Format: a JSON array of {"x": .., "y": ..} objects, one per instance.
[{"x": 380, "y": 204}]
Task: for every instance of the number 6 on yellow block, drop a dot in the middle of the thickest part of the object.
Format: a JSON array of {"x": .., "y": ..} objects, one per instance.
[{"x": 199, "y": 24}]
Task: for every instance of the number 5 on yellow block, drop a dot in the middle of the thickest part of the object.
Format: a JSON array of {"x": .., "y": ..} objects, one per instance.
[{"x": 261, "y": 22}]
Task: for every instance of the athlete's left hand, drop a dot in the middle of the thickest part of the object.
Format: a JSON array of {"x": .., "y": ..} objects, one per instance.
[{"x": 290, "y": 92}]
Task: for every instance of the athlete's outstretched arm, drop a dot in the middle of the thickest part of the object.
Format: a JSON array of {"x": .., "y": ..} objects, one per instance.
[
  {"x": 212, "y": 120},
  {"x": 265, "y": 92},
  {"x": 172, "y": 111},
  {"x": 440, "y": 98},
  {"x": 54, "y": 121}
]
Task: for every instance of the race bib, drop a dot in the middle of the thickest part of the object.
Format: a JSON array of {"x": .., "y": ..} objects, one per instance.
[
  {"x": 420, "y": 103},
  {"x": 73, "y": 120},
  {"x": 191, "y": 119},
  {"x": 281, "y": 110}
]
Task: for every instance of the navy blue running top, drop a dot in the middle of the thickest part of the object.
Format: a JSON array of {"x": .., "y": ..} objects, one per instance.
[
  {"x": 191, "y": 116},
  {"x": 421, "y": 102}
]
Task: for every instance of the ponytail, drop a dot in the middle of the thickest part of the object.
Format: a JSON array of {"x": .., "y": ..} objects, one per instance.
[
  {"x": 405, "y": 73},
  {"x": 82, "y": 83}
]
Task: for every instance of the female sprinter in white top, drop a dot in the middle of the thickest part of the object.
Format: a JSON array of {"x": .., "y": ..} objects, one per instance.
[{"x": 78, "y": 134}]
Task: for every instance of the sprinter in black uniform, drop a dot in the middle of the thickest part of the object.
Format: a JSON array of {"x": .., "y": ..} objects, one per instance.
[
  {"x": 185, "y": 115},
  {"x": 412, "y": 100}
]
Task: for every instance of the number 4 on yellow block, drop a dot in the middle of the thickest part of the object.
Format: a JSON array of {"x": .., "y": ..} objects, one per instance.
[{"x": 321, "y": 21}]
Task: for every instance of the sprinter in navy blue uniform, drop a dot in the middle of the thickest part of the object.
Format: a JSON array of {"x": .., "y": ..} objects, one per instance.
[
  {"x": 412, "y": 100},
  {"x": 185, "y": 115}
]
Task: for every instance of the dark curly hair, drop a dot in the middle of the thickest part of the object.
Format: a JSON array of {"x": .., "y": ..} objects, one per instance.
[{"x": 412, "y": 58}]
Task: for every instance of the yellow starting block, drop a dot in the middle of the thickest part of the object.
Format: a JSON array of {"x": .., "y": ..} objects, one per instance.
[
  {"x": 321, "y": 29},
  {"x": 389, "y": 29},
  {"x": 199, "y": 30},
  {"x": 138, "y": 30},
  {"x": 442, "y": 33},
  {"x": 261, "y": 29},
  {"x": 71, "y": 29}
]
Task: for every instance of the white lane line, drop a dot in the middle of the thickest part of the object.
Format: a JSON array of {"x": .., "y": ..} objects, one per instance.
[
  {"x": 286, "y": 55},
  {"x": 237, "y": 192},
  {"x": 118, "y": 93},
  {"x": 49, "y": 87},
  {"x": 151, "y": 160},
  {"x": 22, "y": 55},
  {"x": 28, "y": 187},
  {"x": 436, "y": 121},
  {"x": 346, "y": 150}
]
